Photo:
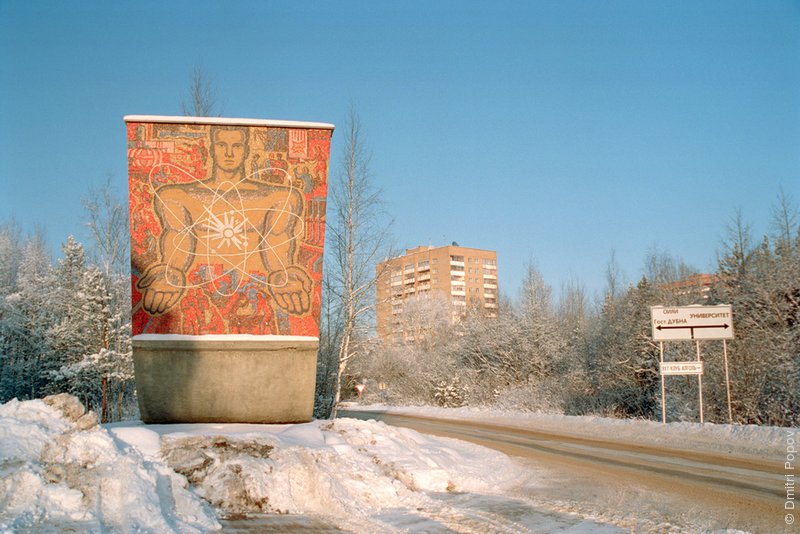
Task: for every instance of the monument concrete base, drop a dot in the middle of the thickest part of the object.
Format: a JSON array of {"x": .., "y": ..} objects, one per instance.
[{"x": 225, "y": 378}]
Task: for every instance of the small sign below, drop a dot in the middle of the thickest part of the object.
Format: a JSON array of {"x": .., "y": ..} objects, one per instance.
[
  {"x": 682, "y": 368},
  {"x": 691, "y": 322}
]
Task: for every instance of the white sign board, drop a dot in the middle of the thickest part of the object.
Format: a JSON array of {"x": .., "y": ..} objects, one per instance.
[
  {"x": 682, "y": 368},
  {"x": 691, "y": 322}
]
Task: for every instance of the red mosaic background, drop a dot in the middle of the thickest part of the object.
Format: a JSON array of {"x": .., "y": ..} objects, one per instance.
[{"x": 227, "y": 228}]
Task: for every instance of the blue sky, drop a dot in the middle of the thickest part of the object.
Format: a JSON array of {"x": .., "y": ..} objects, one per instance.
[{"x": 552, "y": 132}]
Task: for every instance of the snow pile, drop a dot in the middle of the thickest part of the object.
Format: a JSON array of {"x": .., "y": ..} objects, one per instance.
[
  {"x": 346, "y": 469},
  {"x": 59, "y": 470}
]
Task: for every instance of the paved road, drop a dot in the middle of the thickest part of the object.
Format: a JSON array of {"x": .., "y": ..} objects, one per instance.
[{"x": 712, "y": 490}]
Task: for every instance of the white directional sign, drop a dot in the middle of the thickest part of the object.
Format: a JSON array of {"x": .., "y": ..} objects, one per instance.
[
  {"x": 691, "y": 322},
  {"x": 682, "y": 368}
]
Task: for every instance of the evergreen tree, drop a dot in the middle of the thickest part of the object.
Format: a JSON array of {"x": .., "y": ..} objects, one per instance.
[{"x": 26, "y": 316}]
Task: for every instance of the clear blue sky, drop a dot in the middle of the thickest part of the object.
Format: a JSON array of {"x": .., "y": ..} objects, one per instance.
[{"x": 554, "y": 131}]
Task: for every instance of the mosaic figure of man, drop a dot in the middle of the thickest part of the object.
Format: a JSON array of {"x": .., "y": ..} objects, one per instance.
[{"x": 249, "y": 227}]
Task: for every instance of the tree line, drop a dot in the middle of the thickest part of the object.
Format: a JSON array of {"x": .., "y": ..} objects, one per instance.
[
  {"x": 65, "y": 325},
  {"x": 575, "y": 356}
]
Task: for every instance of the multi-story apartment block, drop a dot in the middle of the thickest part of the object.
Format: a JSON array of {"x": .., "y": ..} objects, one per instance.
[
  {"x": 694, "y": 289},
  {"x": 460, "y": 278}
]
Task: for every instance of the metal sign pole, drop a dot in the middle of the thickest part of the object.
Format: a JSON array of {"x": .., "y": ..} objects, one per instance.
[
  {"x": 700, "y": 382},
  {"x": 727, "y": 380},
  {"x": 663, "y": 389}
]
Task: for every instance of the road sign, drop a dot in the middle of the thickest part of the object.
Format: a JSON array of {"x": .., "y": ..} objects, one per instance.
[
  {"x": 682, "y": 368},
  {"x": 691, "y": 322}
]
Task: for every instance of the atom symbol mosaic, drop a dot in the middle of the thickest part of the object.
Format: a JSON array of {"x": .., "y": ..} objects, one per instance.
[{"x": 230, "y": 230}]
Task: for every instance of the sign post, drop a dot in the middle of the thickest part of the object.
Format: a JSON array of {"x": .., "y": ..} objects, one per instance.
[
  {"x": 727, "y": 379},
  {"x": 691, "y": 323},
  {"x": 700, "y": 382}
]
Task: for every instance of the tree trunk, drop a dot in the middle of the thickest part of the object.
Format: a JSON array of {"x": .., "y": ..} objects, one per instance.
[
  {"x": 120, "y": 394},
  {"x": 343, "y": 357},
  {"x": 104, "y": 409}
]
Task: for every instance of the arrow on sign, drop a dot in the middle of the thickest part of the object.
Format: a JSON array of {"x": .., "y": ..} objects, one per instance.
[{"x": 724, "y": 326}]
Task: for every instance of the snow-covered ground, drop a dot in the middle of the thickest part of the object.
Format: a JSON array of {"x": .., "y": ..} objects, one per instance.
[
  {"x": 61, "y": 471},
  {"x": 737, "y": 440}
]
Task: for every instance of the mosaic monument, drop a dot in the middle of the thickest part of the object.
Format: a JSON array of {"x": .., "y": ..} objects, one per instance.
[{"x": 227, "y": 230}]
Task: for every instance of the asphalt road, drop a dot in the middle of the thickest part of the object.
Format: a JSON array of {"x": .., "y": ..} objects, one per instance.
[{"x": 680, "y": 489}]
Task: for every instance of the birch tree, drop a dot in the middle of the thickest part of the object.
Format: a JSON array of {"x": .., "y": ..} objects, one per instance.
[{"x": 358, "y": 240}]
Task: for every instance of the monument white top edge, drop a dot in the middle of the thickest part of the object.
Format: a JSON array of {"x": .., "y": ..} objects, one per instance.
[
  {"x": 221, "y": 337},
  {"x": 227, "y": 121}
]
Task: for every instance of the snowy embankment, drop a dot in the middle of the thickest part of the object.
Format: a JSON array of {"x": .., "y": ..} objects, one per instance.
[
  {"x": 62, "y": 471},
  {"x": 737, "y": 440}
]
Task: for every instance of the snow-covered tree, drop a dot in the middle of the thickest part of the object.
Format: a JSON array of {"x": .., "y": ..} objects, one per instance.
[
  {"x": 26, "y": 315},
  {"x": 762, "y": 283}
]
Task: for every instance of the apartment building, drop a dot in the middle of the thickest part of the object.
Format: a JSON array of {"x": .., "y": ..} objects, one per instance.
[
  {"x": 459, "y": 277},
  {"x": 694, "y": 289}
]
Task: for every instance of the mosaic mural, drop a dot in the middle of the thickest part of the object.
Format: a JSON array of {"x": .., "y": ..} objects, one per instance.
[{"x": 227, "y": 228}]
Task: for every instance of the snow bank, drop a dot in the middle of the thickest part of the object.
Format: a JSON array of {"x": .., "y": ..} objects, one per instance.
[
  {"x": 739, "y": 440},
  {"x": 59, "y": 471},
  {"x": 346, "y": 469}
]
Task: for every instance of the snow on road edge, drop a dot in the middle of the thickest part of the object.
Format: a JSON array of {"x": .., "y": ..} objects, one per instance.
[{"x": 764, "y": 442}]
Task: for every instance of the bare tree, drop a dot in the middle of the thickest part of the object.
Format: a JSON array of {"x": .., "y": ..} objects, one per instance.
[
  {"x": 202, "y": 97},
  {"x": 107, "y": 221},
  {"x": 358, "y": 239}
]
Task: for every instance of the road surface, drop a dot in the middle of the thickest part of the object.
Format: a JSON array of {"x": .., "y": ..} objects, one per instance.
[{"x": 640, "y": 487}]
